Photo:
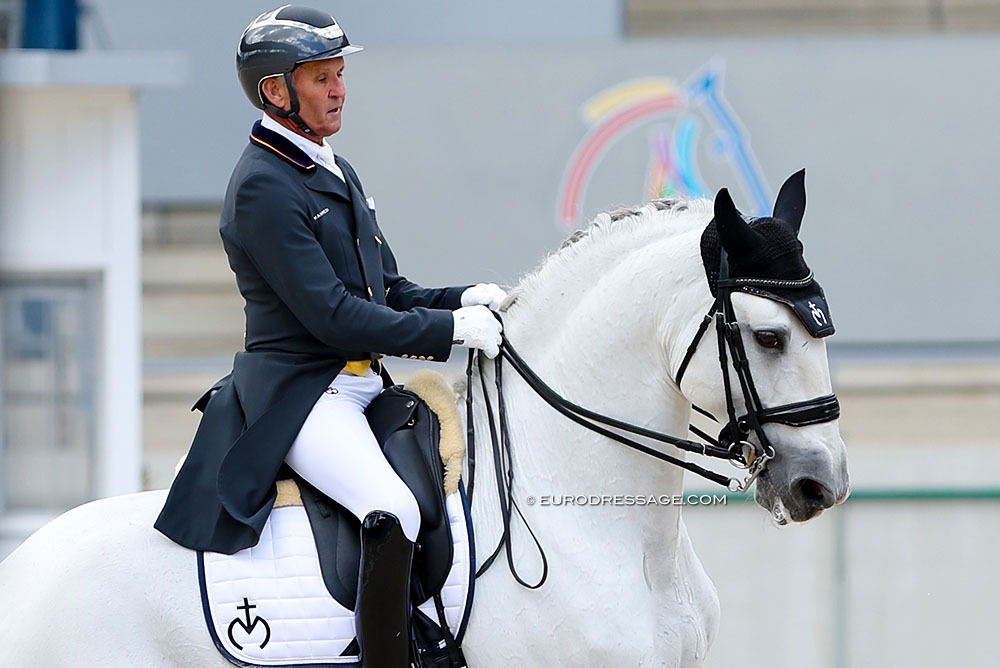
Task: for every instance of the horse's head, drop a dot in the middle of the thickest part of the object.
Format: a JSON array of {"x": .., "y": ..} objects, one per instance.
[{"x": 778, "y": 318}]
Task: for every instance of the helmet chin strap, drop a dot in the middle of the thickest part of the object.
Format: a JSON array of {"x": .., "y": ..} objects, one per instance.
[{"x": 293, "y": 112}]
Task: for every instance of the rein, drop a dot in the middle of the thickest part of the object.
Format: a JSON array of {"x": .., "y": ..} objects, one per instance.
[{"x": 731, "y": 445}]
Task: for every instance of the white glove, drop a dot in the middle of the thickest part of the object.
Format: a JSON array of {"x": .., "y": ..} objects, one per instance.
[
  {"x": 487, "y": 294},
  {"x": 476, "y": 327}
]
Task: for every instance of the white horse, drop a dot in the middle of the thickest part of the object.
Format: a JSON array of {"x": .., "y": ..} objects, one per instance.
[{"x": 606, "y": 321}]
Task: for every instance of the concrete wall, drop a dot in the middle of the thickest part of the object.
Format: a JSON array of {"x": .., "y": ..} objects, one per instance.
[
  {"x": 191, "y": 137},
  {"x": 645, "y": 17},
  {"x": 884, "y": 580},
  {"x": 465, "y": 152},
  {"x": 879, "y": 582},
  {"x": 464, "y": 132},
  {"x": 897, "y": 165},
  {"x": 463, "y": 122}
]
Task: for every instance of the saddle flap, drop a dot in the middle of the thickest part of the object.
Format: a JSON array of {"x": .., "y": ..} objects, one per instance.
[
  {"x": 424, "y": 476},
  {"x": 408, "y": 432},
  {"x": 338, "y": 545}
]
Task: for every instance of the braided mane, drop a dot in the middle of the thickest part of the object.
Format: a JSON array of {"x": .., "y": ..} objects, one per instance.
[{"x": 613, "y": 231}]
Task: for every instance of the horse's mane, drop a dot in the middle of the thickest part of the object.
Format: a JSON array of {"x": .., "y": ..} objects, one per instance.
[{"x": 658, "y": 218}]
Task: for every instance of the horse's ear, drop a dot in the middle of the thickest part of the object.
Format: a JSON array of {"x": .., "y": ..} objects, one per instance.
[
  {"x": 791, "y": 203},
  {"x": 735, "y": 234},
  {"x": 724, "y": 205}
]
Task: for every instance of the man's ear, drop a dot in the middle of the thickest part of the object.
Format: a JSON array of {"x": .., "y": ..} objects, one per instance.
[{"x": 275, "y": 91}]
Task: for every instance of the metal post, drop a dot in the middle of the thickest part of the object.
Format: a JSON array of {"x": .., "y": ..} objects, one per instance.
[{"x": 841, "y": 616}]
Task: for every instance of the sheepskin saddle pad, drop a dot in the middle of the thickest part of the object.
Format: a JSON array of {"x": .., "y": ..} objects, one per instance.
[{"x": 289, "y": 600}]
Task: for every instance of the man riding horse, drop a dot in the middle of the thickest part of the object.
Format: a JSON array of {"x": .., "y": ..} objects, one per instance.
[{"x": 324, "y": 302}]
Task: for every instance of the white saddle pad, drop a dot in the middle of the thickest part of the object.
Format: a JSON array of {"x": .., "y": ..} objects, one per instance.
[{"x": 268, "y": 606}]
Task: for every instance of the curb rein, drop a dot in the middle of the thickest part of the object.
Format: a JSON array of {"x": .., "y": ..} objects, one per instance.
[{"x": 731, "y": 444}]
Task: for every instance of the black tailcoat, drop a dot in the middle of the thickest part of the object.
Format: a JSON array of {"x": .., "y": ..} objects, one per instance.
[{"x": 321, "y": 287}]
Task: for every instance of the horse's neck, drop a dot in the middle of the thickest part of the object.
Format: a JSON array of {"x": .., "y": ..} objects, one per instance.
[
  {"x": 609, "y": 329},
  {"x": 632, "y": 296},
  {"x": 598, "y": 338}
]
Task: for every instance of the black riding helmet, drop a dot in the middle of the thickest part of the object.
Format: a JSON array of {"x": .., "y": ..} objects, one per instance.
[{"x": 278, "y": 41}]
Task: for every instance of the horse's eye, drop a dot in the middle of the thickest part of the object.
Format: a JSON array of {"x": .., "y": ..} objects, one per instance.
[{"x": 768, "y": 339}]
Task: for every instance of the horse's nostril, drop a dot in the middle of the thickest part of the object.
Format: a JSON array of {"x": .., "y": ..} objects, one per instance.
[{"x": 814, "y": 493}]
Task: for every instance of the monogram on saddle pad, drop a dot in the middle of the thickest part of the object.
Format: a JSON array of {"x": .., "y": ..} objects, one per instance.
[{"x": 289, "y": 599}]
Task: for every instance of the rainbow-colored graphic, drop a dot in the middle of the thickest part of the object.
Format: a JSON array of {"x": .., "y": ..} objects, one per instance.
[{"x": 679, "y": 114}]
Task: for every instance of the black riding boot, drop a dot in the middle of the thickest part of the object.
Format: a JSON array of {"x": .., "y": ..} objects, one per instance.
[{"x": 382, "y": 613}]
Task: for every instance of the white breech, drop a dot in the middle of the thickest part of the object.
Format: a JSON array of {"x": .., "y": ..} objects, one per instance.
[{"x": 336, "y": 452}]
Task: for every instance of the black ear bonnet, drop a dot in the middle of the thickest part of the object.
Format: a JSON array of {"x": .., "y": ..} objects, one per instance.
[{"x": 769, "y": 259}]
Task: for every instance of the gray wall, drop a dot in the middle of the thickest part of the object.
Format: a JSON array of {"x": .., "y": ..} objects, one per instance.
[
  {"x": 896, "y": 134},
  {"x": 464, "y": 143},
  {"x": 192, "y": 135}
]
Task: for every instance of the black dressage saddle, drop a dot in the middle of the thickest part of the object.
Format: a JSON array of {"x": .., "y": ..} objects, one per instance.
[{"x": 409, "y": 434}]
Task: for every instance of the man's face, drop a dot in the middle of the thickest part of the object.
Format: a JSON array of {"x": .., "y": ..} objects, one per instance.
[{"x": 320, "y": 87}]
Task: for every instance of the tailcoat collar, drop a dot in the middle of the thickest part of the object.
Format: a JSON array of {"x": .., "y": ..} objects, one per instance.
[
  {"x": 318, "y": 179},
  {"x": 282, "y": 147}
]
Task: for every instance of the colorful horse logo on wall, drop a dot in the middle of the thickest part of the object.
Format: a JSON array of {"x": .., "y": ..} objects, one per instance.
[{"x": 676, "y": 118}]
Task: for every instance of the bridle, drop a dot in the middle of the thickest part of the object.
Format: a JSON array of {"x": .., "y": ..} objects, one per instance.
[
  {"x": 731, "y": 444},
  {"x": 734, "y": 434}
]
